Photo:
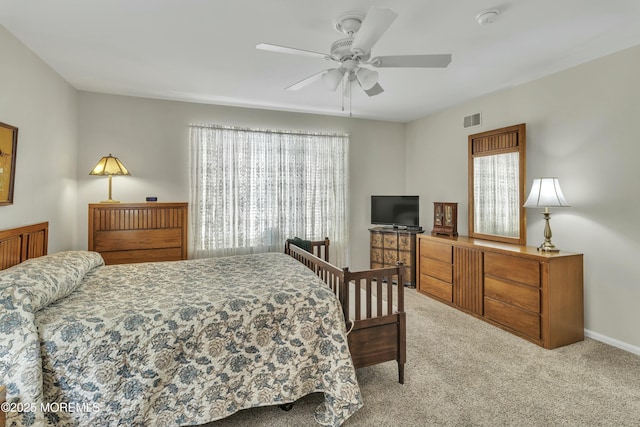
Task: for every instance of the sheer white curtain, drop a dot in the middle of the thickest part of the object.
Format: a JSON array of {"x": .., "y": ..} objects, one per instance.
[
  {"x": 253, "y": 189},
  {"x": 496, "y": 199}
]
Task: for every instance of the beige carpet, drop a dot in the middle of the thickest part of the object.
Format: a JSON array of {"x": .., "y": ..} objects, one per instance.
[{"x": 464, "y": 372}]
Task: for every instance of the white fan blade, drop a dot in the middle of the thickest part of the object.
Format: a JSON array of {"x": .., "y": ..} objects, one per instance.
[
  {"x": 375, "y": 90},
  {"x": 429, "y": 61},
  {"x": 291, "y": 50},
  {"x": 306, "y": 82},
  {"x": 372, "y": 28}
]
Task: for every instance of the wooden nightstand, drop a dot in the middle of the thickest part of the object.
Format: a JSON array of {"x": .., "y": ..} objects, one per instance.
[{"x": 3, "y": 398}]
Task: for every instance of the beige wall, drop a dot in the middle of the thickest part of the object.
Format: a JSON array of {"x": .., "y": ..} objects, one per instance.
[
  {"x": 42, "y": 106},
  {"x": 151, "y": 138},
  {"x": 581, "y": 127}
]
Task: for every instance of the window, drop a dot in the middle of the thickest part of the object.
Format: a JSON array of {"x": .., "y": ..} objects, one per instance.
[{"x": 253, "y": 189}]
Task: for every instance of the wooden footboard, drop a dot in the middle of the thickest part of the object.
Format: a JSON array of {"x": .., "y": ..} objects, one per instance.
[
  {"x": 319, "y": 248},
  {"x": 373, "y": 308}
]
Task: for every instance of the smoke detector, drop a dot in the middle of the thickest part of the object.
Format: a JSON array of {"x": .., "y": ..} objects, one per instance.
[{"x": 487, "y": 17}]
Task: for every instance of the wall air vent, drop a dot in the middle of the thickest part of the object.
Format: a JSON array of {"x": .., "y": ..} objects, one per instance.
[{"x": 472, "y": 120}]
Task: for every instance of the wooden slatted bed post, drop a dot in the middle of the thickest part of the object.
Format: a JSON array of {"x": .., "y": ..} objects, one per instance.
[
  {"x": 402, "y": 324},
  {"x": 344, "y": 296}
]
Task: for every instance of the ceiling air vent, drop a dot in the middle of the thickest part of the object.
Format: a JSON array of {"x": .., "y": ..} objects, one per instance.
[{"x": 472, "y": 120}]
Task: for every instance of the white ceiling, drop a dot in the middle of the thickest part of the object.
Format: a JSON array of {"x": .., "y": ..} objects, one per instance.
[{"x": 204, "y": 50}]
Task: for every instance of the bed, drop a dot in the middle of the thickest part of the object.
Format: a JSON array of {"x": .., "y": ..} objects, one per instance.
[{"x": 183, "y": 342}]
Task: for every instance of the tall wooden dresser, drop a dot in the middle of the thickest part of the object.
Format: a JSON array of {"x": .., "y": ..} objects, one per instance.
[
  {"x": 535, "y": 295},
  {"x": 390, "y": 245},
  {"x": 138, "y": 232}
]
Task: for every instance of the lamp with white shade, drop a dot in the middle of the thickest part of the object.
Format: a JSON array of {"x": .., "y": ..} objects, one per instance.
[
  {"x": 546, "y": 193},
  {"x": 109, "y": 165}
]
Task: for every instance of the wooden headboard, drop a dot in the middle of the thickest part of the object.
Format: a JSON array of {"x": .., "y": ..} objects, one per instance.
[{"x": 22, "y": 243}]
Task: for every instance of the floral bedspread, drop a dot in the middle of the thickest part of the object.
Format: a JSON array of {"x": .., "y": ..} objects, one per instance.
[{"x": 169, "y": 343}]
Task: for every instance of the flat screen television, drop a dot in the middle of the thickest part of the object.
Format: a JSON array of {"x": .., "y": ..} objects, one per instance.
[{"x": 398, "y": 211}]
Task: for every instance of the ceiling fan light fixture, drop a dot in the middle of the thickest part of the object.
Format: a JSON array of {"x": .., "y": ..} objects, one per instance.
[
  {"x": 362, "y": 30},
  {"x": 367, "y": 78},
  {"x": 332, "y": 78}
]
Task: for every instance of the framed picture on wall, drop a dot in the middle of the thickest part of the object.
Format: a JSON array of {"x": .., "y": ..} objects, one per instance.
[{"x": 8, "y": 145}]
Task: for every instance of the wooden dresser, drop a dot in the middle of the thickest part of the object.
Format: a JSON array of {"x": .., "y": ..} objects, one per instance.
[
  {"x": 537, "y": 296},
  {"x": 138, "y": 232},
  {"x": 390, "y": 245}
]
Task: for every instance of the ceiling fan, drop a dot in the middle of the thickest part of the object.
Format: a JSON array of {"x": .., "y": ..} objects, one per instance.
[{"x": 354, "y": 51}]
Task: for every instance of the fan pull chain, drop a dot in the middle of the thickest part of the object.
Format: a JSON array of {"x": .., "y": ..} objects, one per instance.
[
  {"x": 342, "y": 94},
  {"x": 350, "y": 84}
]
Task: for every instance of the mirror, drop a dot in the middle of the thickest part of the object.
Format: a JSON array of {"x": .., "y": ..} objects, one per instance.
[{"x": 497, "y": 162}]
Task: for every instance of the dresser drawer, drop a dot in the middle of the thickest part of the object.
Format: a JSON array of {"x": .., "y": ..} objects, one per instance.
[
  {"x": 144, "y": 255},
  {"x": 521, "y": 270},
  {"x": 522, "y": 321},
  {"x": 405, "y": 243},
  {"x": 377, "y": 255},
  {"x": 437, "y": 269},
  {"x": 376, "y": 264},
  {"x": 438, "y": 288},
  {"x": 390, "y": 257},
  {"x": 376, "y": 240},
  {"x": 120, "y": 240},
  {"x": 438, "y": 251},
  {"x": 525, "y": 297},
  {"x": 390, "y": 241}
]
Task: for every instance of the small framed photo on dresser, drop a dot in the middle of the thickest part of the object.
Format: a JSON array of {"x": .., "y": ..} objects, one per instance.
[{"x": 445, "y": 219}]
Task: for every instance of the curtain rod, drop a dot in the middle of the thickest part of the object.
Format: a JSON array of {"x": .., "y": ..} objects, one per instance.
[{"x": 275, "y": 131}]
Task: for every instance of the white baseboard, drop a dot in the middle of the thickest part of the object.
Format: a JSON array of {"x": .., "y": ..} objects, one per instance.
[{"x": 611, "y": 341}]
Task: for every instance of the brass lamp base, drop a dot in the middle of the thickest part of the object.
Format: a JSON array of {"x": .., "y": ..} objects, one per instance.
[
  {"x": 110, "y": 200},
  {"x": 547, "y": 246}
]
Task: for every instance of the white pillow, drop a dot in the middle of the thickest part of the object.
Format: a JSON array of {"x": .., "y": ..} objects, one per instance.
[{"x": 41, "y": 281}]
